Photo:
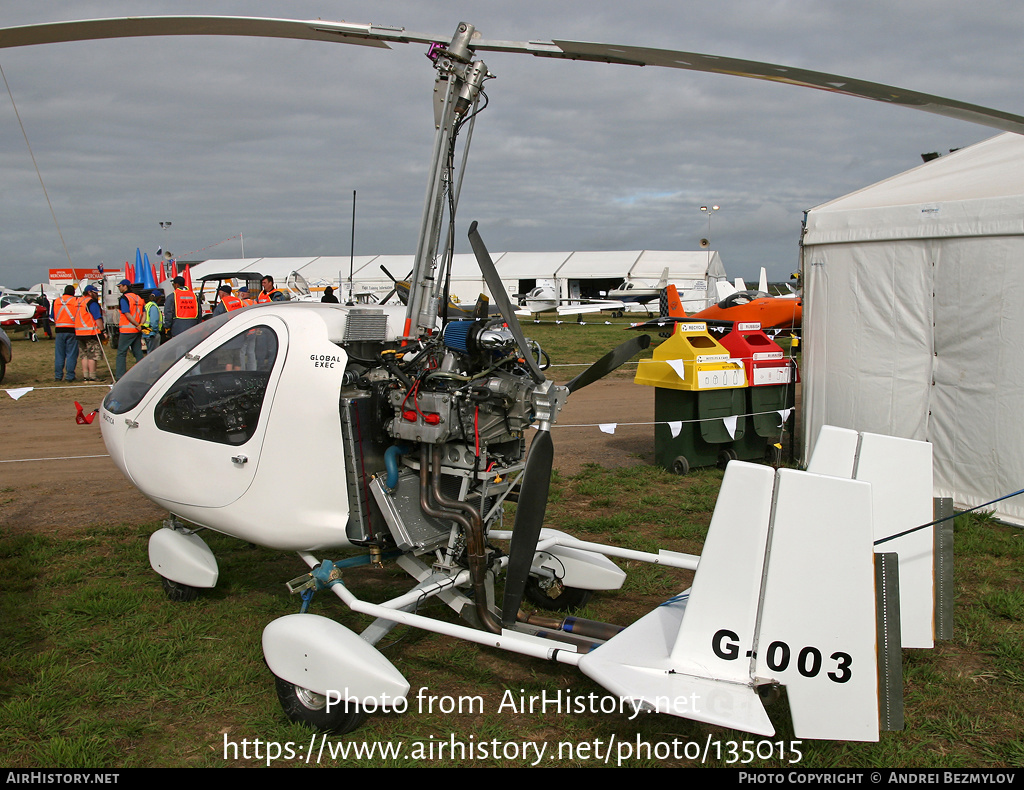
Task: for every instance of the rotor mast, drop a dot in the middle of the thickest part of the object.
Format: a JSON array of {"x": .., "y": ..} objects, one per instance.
[{"x": 460, "y": 78}]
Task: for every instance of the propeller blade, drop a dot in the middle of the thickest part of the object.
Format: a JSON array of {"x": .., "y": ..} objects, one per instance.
[
  {"x": 610, "y": 361},
  {"x": 533, "y": 501},
  {"x": 497, "y": 289}
]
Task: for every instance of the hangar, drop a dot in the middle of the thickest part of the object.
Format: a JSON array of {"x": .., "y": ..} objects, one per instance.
[{"x": 576, "y": 274}]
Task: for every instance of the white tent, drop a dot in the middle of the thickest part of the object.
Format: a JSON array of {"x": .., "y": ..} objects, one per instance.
[{"x": 914, "y": 317}]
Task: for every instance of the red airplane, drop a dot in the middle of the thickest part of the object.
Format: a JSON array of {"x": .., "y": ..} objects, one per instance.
[{"x": 771, "y": 312}]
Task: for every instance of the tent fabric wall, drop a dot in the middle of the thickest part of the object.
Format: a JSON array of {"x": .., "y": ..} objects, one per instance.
[{"x": 913, "y": 318}]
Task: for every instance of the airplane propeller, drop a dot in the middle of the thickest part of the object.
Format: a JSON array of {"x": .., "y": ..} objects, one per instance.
[{"x": 536, "y": 479}]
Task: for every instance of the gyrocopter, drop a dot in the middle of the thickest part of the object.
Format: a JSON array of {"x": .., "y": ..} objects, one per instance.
[{"x": 413, "y": 429}]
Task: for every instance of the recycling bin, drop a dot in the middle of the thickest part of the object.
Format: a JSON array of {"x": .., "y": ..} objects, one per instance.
[
  {"x": 698, "y": 399},
  {"x": 771, "y": 379}
]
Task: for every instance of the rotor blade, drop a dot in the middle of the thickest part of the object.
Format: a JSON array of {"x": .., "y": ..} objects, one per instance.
[
  {"x": 736, "y": 67},
  {"x": 610, "y": 361},
  {"x": 498, "y": 293},
  {"x": 533, "y": 501},
  {"x": 131, "y": 27}
]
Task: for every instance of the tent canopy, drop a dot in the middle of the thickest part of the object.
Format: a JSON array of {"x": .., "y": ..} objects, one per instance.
[{"x": 913, "y": 323}]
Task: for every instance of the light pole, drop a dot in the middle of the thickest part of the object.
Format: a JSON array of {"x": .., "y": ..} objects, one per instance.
[{"x": 709, "y": 210}]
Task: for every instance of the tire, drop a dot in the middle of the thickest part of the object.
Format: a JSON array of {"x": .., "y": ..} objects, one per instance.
[
  {"x": 178, "y": 592},
  {"x": 303, "y": 706},
  {"x": 569, "y": 599},
  {"x": 773, "y": 456},
  {"x": 680, "y": 466},
  {"x": 725, "y": 457}
]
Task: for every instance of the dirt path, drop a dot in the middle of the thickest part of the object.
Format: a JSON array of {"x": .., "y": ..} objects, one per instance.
[{"x": 56, "y": 476}]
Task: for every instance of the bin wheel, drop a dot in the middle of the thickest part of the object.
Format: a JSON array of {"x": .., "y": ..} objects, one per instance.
[
  {"x": 773, "y": 456},
  {"x": 680, "y": 466},
  {"x": 725, "y": 457}
]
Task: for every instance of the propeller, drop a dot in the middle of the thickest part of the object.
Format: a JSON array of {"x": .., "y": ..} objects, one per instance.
[
  {"x": 536, "y": 479},
  {"x": 606, "y": 364}
]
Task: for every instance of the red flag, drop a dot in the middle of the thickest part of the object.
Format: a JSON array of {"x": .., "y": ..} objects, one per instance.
[
  {"x": 174, "y": 269},
  {"x": 82, "y": 418},
  {"x": 188, "y": 278},
  {"x": 163, "y": 272}
]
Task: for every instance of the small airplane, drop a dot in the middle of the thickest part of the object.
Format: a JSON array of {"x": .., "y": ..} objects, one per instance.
[
  {"x": 412, "y": 434},
  {"x": 545, "y": 299},
  {"x": 779, "y": 313},
  {"x": 639, "y": 291},
  {"x": 16, "y": 313}
]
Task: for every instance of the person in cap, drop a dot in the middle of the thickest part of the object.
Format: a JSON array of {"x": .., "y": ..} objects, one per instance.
[
  {"x": 65, "y": 341},
  {"x": 227, "y": 301},
  {"x": 90, "y": 331},
  {"x": 181, "y": 309},
  {"x": 243, "y": 294},
  {"x": 129, "y": 329},
  {"x": 152, "y": 322}
]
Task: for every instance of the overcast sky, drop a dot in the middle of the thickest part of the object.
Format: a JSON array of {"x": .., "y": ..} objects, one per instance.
[{"x": 266, "y": 138}]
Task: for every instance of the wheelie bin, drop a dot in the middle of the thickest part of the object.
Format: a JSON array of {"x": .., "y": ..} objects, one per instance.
[
  {"x": 771, "y": 379},
  {"x": 698, "y": 399}
]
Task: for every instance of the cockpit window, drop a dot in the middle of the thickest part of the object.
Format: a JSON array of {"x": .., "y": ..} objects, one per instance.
[
  {"x": 219, "y": 399},
  {"x": 133, "y": 386}
]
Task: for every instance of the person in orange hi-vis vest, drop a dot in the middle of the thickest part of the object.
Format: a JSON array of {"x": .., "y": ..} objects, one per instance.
[
  {"x": 181, "y": 309},
  {"x": 90, "y": 331},
  {"x": 65, "y": 341},
  {"x": 129, "y": 329}
]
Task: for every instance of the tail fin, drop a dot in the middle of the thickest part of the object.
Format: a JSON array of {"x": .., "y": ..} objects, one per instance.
[
  {"x": 663, "y": 282},
  {"x": 900, "y": 473},
  {"x": 724, "y": 290},
  {"x": 784, "y": 593},
  {"x": 670, "y": 305},
  {"x": 762, "y": 281}
]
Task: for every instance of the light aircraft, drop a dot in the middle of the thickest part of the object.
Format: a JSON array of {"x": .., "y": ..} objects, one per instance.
[
  {"x": 639, "y": 291},
  {"x": 413, "y": 434},
  {"x": 782, "y": 313},
  {"x": 16, "y": 313},
  {"x": 545, "y": 299}
]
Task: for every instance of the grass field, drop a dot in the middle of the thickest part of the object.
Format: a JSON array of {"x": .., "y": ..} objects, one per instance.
[{"x": 101, "y": 670}]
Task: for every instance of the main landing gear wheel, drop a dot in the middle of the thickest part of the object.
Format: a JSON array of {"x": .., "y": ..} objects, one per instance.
[
  {"x": 567, "y": 599},
  {"x": 307, "y": 707},
  {"x": 178, "y": 592}
]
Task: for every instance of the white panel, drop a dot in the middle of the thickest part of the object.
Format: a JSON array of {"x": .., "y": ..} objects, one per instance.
[
  {"x": 835, "y": 452},
  {"x": 722, "y": 609},
  {"x": 817, "y": 633},
  {"x": 900, "y": 473}
]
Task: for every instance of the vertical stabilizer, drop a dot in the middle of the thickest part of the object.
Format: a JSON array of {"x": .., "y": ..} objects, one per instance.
[
  {"x": 817, "y": 630},
  {"x": 900, "y": 473}
]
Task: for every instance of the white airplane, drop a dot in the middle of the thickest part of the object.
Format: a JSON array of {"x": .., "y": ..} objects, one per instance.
[
  {"x": 545, "y": 299},
  {"x": 639, "y": 291},
  {"x": 412, "y": 435}
]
